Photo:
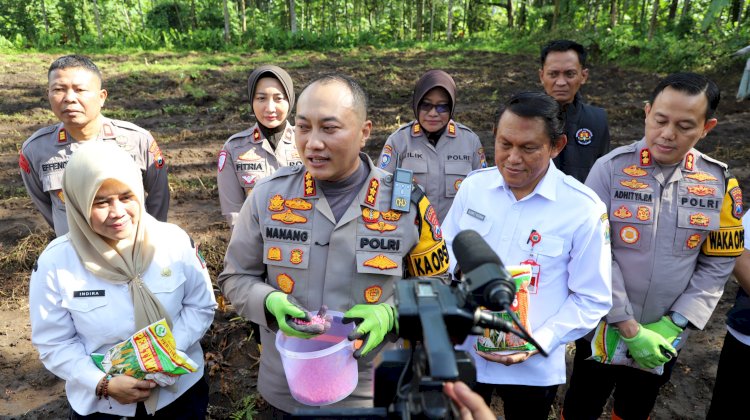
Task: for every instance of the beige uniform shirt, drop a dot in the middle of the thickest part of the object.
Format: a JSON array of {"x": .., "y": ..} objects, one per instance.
[
  {"x": 44, "y": 155},
  {"x": 286, "y": 238},
  {"x": 246, "y": 158},
  {"x": 438, "y": 169}
]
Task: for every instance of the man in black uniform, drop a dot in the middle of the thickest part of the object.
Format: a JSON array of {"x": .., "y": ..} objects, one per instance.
[{"x": 563, "y": 71}]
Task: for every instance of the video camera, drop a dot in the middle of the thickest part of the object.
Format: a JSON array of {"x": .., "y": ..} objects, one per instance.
[{"x": 433, "y": 317}]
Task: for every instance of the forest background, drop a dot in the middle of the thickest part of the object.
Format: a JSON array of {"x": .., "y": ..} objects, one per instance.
[
  {"x": 662, "y": 35},
  {"x": 179, "y": 68}
]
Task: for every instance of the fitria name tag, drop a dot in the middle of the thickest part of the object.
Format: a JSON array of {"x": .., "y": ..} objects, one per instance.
[{"x": 88, "y": 293}]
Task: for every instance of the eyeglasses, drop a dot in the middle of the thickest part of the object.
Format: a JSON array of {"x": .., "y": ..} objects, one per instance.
[{"x": 440, "y": 108}]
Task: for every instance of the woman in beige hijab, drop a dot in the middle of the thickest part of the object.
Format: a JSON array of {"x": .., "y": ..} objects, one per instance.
[{"x": 117, "y": 271}]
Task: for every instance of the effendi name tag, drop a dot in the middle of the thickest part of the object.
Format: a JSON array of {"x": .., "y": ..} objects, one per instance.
[{"x": 88, "y": 293}]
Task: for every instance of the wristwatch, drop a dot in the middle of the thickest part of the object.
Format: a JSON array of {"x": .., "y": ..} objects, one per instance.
[{"x": 678, "y": 319}]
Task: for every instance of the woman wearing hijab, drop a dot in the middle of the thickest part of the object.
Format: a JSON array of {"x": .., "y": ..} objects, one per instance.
[
  {"x": 115, "y": 272},
  {"x": 439, "y": 151},
  {"x": 261, "y": 149}
]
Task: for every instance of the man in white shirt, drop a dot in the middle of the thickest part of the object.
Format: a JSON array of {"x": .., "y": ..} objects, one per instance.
[{"x": 534, "y": 214}]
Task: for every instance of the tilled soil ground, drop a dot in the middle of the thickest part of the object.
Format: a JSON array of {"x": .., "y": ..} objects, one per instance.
[{"x": 192, "y": 111}]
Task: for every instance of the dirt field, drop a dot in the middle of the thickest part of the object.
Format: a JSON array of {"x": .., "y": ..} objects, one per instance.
[{"x": 191, "y": 110}]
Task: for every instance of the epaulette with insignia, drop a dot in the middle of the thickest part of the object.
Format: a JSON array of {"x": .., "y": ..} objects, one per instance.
[
  {"x": 712, "y": 160},
  {"x": 463, "y": 127}
]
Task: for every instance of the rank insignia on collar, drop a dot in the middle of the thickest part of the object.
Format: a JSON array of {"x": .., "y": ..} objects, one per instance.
[
  {"x": 276, "y": 203},
  {"x": 380, "y": 226},
  {"x": 452, "y": 129},
  {"x": 373, "y": 294},
  {"x": 108, "y": 130},
  {"x": 296, "y": 256},
  {"x": 701, "y": 190},
  {"x": 645, "y": 157},
  {"x": 699, "y": 219},
  {"x": 416, "y": 129},
  {"x": 622, "y": 213},
  {"x": 693, "y": 240},
  {"x": 372, "y": 192},
  {"x": 630, "y": 235},
  {"x": 274, "y": 253},
  {"x": 370, "y": 215},
  {"x": 381, "y": 262},
  {"x": 61, "y": 196},
  {"x": 391, "y": 215},
  {"x": 643, "y": 214},
  {"x": 289, "y": 218},
  {"x": 298, "y": 204},
  {"x": 634, "y": 170},
  {"x": 310, "y": 189},
  {"x": 286, "y": 284},
  {"x": 701, "y": 176},
  {"x": 690, "y": 161},
  {"x": 256, "y": 134},
  {"x": 62, "y": 136},
  {"x": 633, "y": 184}
]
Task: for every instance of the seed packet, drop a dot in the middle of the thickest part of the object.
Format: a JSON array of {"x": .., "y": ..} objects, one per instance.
[
  {"x": 608, "y": 347},
  {"x": 149, "y": 354},
  {"x": 494, "y": 341}
]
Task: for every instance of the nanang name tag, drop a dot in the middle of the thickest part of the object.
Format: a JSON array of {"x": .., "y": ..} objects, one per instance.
[{"x": 88, "y": 293}]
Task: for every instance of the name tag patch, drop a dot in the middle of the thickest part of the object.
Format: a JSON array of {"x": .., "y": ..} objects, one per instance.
[
  {"x": 88, "y": 293},
  {"x": 475, "y": 214}
]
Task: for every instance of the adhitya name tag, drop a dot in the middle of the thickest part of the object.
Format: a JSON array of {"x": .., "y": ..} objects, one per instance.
[{"x": 88, "y": 293}]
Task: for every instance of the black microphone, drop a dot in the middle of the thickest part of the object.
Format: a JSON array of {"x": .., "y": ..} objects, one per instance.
[{"x": 483, "y": 271}]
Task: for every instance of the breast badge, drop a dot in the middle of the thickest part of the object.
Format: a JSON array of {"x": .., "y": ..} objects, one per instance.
[
  {"x": 701, "y": 177},
  {"x": 634, "y": 170},
  {"x": 584, "y": 136},
  {"x": 298, "y": 204},
  {"x": 286, "y": 284},
  {"x": 391, "y": 215},
  {"x": 634, "y": 184},
  {"x": 623, "y": 213},
  {"x": 274, "y": 254},
  {"x": 380, "y": 226},
  {"x": 630, "y": 235},
  {"x": 289, "y": 218},
  {"x": 701, "y": 190},
  {"x": 699, "y": 219},
  {"x": 693, "y": 241},
  {"x": 276, "y": 203},
  {"x": 373, "y": 294},
  {"x": 381, "y": 262},
  {"x": 370, "y": 215},
  {"x": 644, "y": 213},
  {"x": 296, "y": 256}
]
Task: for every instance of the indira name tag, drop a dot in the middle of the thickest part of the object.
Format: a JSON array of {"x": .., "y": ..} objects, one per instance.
[{"x": 88, "y": 293}]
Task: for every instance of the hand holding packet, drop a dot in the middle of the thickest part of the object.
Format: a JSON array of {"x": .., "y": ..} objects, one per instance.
[{"x": 148, "y": 354}]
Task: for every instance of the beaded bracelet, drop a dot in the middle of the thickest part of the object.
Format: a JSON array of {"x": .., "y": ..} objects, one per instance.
[{"x": 102, "y": 388}]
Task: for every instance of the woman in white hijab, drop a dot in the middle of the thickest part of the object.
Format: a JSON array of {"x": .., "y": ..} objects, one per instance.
[{"x": 117, "y": 271}]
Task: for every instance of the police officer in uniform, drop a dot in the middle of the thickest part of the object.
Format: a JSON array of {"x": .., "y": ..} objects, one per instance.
[
  {"x": 76, "y": 98},
  {"x": 259, "y": 151},
  {"x": 440, "y": 151},
  {"x": 675, "y": 215},
  {"x": 563, "y": 71},
  {"x": 326, "y": 233}
]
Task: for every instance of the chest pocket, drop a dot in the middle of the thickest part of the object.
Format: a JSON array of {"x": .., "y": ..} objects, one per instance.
[
  {"x": 52, "y": 180},
  {"x": 549, "y": 248},
  {"x": 693, "y": 226},
  {"x": 455, "y": 172},
  {"x": 282, "y": 254},
  {"x": 169, "y": 279}
]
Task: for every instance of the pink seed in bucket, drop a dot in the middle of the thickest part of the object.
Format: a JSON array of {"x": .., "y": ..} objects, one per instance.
[{"x": 315, "y": 392}]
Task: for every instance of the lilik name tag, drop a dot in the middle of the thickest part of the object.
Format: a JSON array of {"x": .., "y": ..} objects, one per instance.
[{"x": 87, "y": 293}]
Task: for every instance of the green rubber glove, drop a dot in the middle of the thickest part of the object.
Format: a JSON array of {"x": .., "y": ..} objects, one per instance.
[
  {"x": 665, "y": 328},
  {"x": 374, "y": 323},
  {"x": 647, "y": 348},
  {"x": 285, "y": 309}
]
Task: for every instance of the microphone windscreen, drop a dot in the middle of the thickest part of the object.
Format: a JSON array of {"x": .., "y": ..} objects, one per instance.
[{"x": 471, "y": 251}]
